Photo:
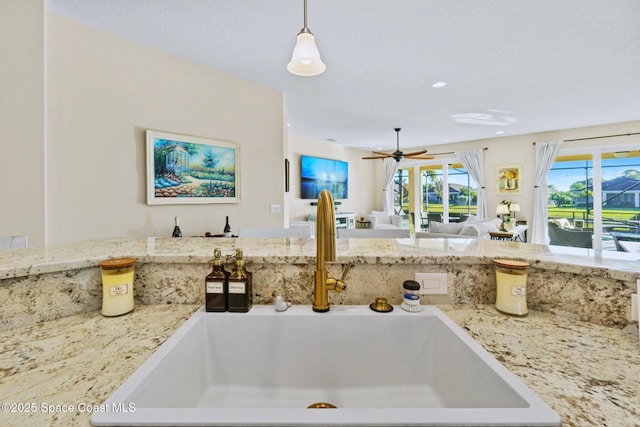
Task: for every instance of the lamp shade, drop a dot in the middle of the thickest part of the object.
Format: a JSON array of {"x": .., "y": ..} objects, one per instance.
[
  {"x": 305, "y": 60},
  {"x": 514, "y": 207},
  {"x": 502, "y": 209}
]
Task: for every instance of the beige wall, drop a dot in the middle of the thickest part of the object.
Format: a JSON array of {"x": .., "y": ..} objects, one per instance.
[
  {"x": 519, "y": 150},
  {"x": 104, "y": 91},
  {"x": 361, "y": 176},
  {"x": 22, "y": 119}
]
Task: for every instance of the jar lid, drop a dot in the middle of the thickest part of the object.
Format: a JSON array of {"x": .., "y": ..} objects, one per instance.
[
  {"x": 411, "y": 285},
  {"x": 511, "y": 263},
  {"x": 112, "y": 264}
]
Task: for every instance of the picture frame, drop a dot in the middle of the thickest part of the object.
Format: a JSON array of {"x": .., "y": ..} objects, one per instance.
[
  {"x": 185, "y": 169},
  {"x": 508, "y": 179}
]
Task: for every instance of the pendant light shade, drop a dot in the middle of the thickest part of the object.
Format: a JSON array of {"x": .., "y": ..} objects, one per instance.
[{"x": 305, "y": 60}]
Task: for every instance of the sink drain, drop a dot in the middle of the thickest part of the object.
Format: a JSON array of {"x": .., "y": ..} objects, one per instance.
[{"x": 321, "y": 405}]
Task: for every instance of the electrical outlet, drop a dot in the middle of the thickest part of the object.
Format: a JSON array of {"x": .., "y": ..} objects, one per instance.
[
  {"x": 634, "y": 307},
  {"x": 275, "y": 209},
  {"x": 432, "y": 283}
]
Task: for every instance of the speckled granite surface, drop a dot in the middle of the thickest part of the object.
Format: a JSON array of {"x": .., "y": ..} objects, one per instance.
[
  {"x": 40, "y": 260},
  {"x": 589, "y": 374},
  {"x": 41, "y": 284}
]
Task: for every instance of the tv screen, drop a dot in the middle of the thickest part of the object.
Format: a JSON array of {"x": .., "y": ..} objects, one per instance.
[{"x": 318, "y": 174}]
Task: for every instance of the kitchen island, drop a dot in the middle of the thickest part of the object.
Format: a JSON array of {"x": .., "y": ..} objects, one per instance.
[
  {"x": 40, "y": 284},
  {"x": 58, "y": 372},
  {"x": 61, "y": 359}
]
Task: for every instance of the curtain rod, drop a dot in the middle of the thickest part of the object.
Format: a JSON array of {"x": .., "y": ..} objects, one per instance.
[
  {"x": 449, "y": 152},
  {"x": 599, "y": 137}
]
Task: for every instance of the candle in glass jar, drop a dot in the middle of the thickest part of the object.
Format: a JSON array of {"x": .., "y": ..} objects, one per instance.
[
  {"x": 511, "y": 286},
  {"x": 117, "y": 286}
]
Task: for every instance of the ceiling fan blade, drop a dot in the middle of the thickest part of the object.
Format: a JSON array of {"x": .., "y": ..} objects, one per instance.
[
  {"x": 417, "y": 157},
  {"x": 380, "y": 153},
  {"x": 415, "y": 153},
  {"x": 375, "y": 157}
]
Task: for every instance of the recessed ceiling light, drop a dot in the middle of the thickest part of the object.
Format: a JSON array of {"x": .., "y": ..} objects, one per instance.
[
  {"x": 439, "y": 84},
  {"x": 500, "y": 132}
]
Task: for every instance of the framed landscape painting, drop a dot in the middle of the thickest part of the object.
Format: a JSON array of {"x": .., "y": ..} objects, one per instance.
[
  {"x": 184, "y": 169},
  {"x": 509, "y": 179}
]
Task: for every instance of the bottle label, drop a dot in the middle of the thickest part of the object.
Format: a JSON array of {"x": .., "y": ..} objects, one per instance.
[
  {"x": 518, "y": 291},
  {"x": 118, "y": 290},
  {"x": 237, "y": 288},
  {"x": 215, "y": 287}
]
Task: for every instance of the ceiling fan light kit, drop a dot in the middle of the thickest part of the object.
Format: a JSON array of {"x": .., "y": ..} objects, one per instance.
[{"x": 399, "y": 155}]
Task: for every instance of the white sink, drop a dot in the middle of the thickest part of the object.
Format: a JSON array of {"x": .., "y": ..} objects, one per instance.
[{"x": 266, "y": 368}]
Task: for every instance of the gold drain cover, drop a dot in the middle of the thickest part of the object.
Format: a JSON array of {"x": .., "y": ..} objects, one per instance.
[
  {"x": 321, "y": 405},
  {"x": 381, "y": 306}
]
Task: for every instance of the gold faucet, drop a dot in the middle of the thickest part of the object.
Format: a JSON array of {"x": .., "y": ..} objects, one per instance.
[{"x": 325, "y": 251}]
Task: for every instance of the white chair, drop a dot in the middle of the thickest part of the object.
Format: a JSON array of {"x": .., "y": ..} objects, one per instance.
[
  {"x": 385, "y": 233},
  {"x": 302, "y": 232},
  {"x": 13, "y": 242},
  {"x": 380, "y": 220}
]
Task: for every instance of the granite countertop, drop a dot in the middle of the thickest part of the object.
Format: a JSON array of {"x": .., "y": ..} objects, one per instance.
[
  {"x": 48, "y": 259},
  {"x": 589, "y": 374}
]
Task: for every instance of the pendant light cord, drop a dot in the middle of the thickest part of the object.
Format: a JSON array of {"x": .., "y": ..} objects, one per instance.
[{"x": 305, "y": 16}]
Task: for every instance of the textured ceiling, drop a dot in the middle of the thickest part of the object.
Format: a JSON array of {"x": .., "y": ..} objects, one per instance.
[{"x": 512, "y": 66}]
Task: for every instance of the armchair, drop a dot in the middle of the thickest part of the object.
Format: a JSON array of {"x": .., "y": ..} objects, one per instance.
[{"x": 381, "y": 220}]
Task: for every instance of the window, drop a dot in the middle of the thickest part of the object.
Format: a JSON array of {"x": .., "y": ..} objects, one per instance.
[
  {"x": 595, "y": 194},
  {"x": 401, "y": 192},
  {"x": 569, "y": 184},
  {"x": 447, "y": 192},
  {"x": 463, "y": 195}
]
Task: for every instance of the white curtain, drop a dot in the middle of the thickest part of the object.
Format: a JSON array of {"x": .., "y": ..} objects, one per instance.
[
  {"x": 390, "y": 169},
  {"x": 546, "y": 153},
  {"x": 473, "y": 162}
]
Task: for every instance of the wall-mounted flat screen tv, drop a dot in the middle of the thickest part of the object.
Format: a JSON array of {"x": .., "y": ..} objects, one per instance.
[{"x": 318, "y": 174}]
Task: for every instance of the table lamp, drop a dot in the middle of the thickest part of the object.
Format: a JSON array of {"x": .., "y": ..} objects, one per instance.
[
  {"x": 514, "y": 207},
  {"x": 502, "y": 210}
]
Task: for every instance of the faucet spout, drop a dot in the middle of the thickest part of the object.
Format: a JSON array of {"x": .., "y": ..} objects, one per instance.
[{"x": 325, "y": 251}]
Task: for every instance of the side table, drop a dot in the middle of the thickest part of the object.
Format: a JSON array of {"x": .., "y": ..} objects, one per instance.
[{"x": 517, "y": 234}]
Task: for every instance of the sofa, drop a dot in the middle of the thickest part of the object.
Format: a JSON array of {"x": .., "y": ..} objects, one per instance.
[
  {"x": 562, "y": 233},
  {"x": 472, "y": 228},
  {"x": 380, "y": 220}
]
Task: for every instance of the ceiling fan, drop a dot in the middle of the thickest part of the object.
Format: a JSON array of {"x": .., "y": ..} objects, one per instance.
[{"x": 399, "y": 155}]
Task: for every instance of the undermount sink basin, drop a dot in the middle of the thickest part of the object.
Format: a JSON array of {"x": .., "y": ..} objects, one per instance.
[{"x": 266, "y": 367}]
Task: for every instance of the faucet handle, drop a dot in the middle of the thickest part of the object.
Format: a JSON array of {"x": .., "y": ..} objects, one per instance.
[
  {"x": 346, "y": 271},
  {"x": 340, "y": 285}
]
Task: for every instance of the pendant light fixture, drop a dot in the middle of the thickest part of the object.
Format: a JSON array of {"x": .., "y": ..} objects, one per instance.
[{"x": 305, "y": 60}]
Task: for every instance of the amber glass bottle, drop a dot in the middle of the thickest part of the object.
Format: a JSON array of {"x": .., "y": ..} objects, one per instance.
[
  {"x": 240, "y": 297},
  {"x": 216, "y": 285}
]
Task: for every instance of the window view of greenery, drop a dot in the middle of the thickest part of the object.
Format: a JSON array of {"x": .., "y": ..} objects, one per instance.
[
  {"x": 462, "y": 196},
  {"x": 401, "y": 190},
  {"x": 459, "y": 201},
  {"x": 571, "y": 208}
]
